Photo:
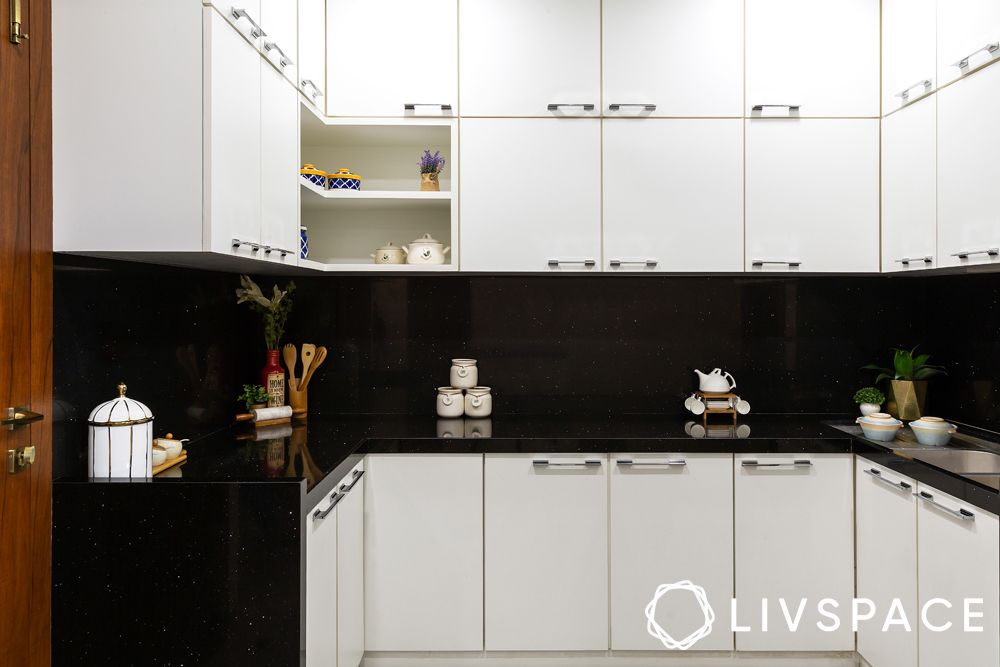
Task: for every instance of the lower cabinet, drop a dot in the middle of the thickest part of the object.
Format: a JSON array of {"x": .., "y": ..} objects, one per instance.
[
  {"x": 794, "y": 547},
  {"x": 423, "y": 557},
  {"x": 546, "y": 548},
  {"x": 886, "y": 532},
  {"x": 671, "y": 521},
  {"x": 959, "y": 563},
  {"x": 351, "y": 572},
  {"x": 321, "y": 583}
]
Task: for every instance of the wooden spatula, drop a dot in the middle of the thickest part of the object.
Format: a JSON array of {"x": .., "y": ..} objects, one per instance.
[
  {"x": 288, "y": 352},
  {"x": 317, "y": 362},
  {"x": 308, "y": 356}
]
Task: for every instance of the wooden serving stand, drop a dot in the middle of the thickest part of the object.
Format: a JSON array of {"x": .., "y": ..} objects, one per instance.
[
  {"x": 707, "y": 396},
  {"x": 167, "y": 465}
]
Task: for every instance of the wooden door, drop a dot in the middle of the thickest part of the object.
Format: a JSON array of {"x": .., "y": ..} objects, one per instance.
[{"x": 26, "y": 332}]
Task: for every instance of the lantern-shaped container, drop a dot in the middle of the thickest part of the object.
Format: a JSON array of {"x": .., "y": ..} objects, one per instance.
[{"x": 120, "y": 439}]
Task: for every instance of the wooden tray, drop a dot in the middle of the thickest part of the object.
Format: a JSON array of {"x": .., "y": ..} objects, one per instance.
[{"x": 167, "y": 465}]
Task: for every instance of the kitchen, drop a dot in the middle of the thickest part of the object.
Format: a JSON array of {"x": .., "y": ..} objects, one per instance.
[{"x": 636, "y": 332}]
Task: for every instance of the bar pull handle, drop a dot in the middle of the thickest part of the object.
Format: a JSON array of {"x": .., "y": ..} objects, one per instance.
[
  {"x": 283, "y": 60},
  {"x": 761, "y": 263},
  {"x": 905, "y": 93},
  {"x": 790, "y": 107},
  {"x": 309, "y": 83},
  {"x": 901, "y": 485},
  {"x": 335, "y": 498},
  {"x": 412, "y": 106},
  {"x": 964, "y": 254},
  {"x": 15, "y": 23},
  {"x": 346, "y": 488},
  {"x": 546, "y": 463},
  {"x": 555, "y": 263},
  {"x": 583, "y": 105},
  {"x": 797, "y": 463},
  {"x": 990, "y": 48},
  {"x": 618, "y": 263},
  {"x": 254, "y": 247},
  {"x": 960, "y": 513},
  {"x": 619, "y": 107},
  {"x": 926, "y": 259},
  {"x": 255, "y": 29},
  {"x": 284, "y": 252},
  {"x": 630, "y": 463}
]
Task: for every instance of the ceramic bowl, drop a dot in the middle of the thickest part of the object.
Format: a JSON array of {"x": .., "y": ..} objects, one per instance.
[
  {"x": 159, "y": 456},
  {"x": 879, "y": 426},
  {"x": 932, "y": 431},
  {"x": 172, "y": 448}
]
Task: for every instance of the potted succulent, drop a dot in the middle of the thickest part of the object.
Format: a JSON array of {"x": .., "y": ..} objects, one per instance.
[
  {"x": 274, "y": 312},
  {"x": 869, "y": 399},
  {"x": 907, "y": 382},
  {"x": 430, "y": 168}
]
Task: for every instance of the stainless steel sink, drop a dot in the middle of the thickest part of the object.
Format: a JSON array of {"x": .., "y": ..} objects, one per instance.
[{"x": 961, "y": 461}]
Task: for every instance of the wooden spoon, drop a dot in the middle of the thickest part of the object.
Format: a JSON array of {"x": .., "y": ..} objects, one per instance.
[
  {"x": 290, "y": 355},
  {"x": 308, "y": 355},
  {"x": 317, "y": 362}
]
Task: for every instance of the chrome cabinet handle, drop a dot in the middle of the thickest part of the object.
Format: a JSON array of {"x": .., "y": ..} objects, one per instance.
[
  {"x": 629, "y": 463},
  {"x": 989, "y": 48},
  {"x": 790, "y": 107},
  {"x": 793, "y": 263},
  {"x": 797, "y": 463},
  {"x": 255, "y": 29},
  {"x": 905, "y": 261},
  {"x": 412, "y": 106},
  {"x": 335, "y": 498},
  {"x": 545, "y": 463},
  {"x": 284, "y": 60},
  {"x": 960, "y": 513},
  {"x": 877, "y": 474},
  {"x": 617, "y": 263},
  {"x": 619, "y": 107},
  {"x": 309, "y": 82},
  {"x": 254, "y": 247},
  {"x": 284, "y": 252},
  {"x": 559, "y": 262},
  {"x": 964, "y": 254},
  {"x": 583, "y": 105},
  {"x": 346, "y": 488},
  {"x": 905, "y": 93}
]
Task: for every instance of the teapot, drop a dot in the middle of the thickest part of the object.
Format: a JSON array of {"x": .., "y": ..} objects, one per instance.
[
  {"x": 425, "y": 250},
  {"x": 715, "y": 382}
]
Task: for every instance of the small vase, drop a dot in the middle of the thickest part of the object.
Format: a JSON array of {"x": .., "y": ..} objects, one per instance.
[
  {"x": 272, "y": 376},
  {"x": 907, "y": 399},
  {"x": 430, "y": 183},
  {"x": 870, "y": 408}
]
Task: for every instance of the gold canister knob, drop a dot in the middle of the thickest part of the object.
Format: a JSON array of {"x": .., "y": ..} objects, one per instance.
[{"x": 121, "y": 389}]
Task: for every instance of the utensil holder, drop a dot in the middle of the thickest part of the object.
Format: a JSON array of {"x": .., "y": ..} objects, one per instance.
[{"x": 298, "y": 399}]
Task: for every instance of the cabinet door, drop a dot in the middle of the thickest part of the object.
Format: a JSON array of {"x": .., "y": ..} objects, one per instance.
[
  {"x": 546, "y": 538},
  {"x": 908, "y": 51},
  {"x": 794, "y": 540},
  {"x": 886, "y": 562},
  {"x": 232, "y": 134},
  {"x": 683, "y": 56},
  {"x": 520, "y": 56},
  {"x": 424, "y": 552},
  {"x": 959, "y": 558},
  {"x": 822, "y": 55},
  {"x": 279, "y": 189},
  {"x": 280, "y": 44},
  {"x": 909, "y": 187},
  {"x": 386, "y": 54},
  {"x": 351, "y": 573},
  {"x": 965, "y": 31},
  {"x": 321, "y": 584},
  {"x": 671, "y": 520},
  {"x": 531, "y": 195},
  {"x": 968, "y": 173},
  {"x": 673, "y": 194},
  {"x": 312, "y": 51},
  {"x": 812, "y": 195},
  {"x": 244, "y": 16}
]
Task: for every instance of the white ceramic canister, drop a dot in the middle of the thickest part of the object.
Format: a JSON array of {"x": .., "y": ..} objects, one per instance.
[
  {"x": 449, "y": 402},
  {"x": 464, "y": 373},
  {"x": 120, "y": 439},
  {"x": 478, "y": 402}
]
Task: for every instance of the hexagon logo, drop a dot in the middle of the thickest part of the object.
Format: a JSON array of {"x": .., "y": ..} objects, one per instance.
[{"x": 654, "y": 629}]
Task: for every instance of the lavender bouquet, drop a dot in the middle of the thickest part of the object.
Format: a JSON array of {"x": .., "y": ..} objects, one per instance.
[{"x": 431, "y": 164}]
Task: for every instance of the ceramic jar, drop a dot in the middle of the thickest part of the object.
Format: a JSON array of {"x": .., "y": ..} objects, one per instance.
[
  {"x": 426, "y": 250},
  {"x": 449, "y": 402},
  {"x": 343, "y": 179},
  {"x": 464, "y": 373},
  {"x": 932, "y": 431},
  {"x": 121, "y": 439},
  {"x": 389, "y": 254},
  {"x": 478, "y": 402},
  {"x": 880, "y": 426},
  {"x": 313, "y": 175}
]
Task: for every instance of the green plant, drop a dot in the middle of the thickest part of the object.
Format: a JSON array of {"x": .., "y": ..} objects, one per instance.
[
  {"x": 274, "y": 310},
  {"x": 869, "y": 395},
  {"x": 906, "y": 366},
  {"x": 252, "y": 395}
]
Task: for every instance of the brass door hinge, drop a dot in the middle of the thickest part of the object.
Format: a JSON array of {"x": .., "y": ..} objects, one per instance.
[{"x": 15, "y": 22}]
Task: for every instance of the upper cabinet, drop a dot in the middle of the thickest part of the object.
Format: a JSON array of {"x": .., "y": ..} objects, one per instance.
[
  {"x": 530, "y": 57},
  {"x": 674, "y": 58},
  {"x": 908, "y": 51},
  {"x": 312, "y": 51},
  {"x": 280, "y": 42},
  {"x": 392, "y": 57},
  {"x": 812, "y": 57},
  {"x": 968, "y": 36}
]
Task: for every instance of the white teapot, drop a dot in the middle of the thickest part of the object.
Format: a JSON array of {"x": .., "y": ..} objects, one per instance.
[
  {"x": 715, "y": 382},
  {"x": 426, "y": 250}
]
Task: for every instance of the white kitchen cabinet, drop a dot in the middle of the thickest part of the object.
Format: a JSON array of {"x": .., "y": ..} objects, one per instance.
[
  {"x": 909, "y": 187},
  {"x": 280, "y": 43},
  {"x": 886, "y": 532},
  {"x": 671, "y": 518},
  {"x": 683, "y": 56},
  {"x": 821, "y": 55},
  {"x": 518, "y": 57},
  {"x": 424, "y": 552},
  {"x": 673, "y": 194},
  {"x": 968, "y": 173},
  {"x": 531, "y": 194},
  {"x": 385, "y": 54},
  {"x": 812, "y": 195},
  {"x": 279, "y": 171},
  {"x": 351, "y": 571},
  {"x": 959, "y": 558},
  {"x": 321, "y": 583},
  {"x": 244, "y": 16},
  {"x": 909, "y": 56},
  {"x": 312, "y": 52},
  {"x": 794, "y": 540},
  {"x": 546, "y": 547},
  {"x": 967, "y": 31}
]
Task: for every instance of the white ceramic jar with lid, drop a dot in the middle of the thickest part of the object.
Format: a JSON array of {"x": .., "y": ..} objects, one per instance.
[
  {"x": 478, "y": 402},
  {"x": 880, "y": 426},
  {"x": 389, "y": 254},
  {"x": 464, "y": 373},
  {"x": 426, "y": 250},
  {"x": 932, "y": 431},
  {"x": 449, "y": 402},
  {"x": 120, "y": 439}
]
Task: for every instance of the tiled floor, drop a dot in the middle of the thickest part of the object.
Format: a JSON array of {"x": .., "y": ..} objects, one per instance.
[{"x": 616, "y": 660}]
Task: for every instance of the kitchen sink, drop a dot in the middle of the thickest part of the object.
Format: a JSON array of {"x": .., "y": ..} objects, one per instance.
[{"x": 961, "y": 461}]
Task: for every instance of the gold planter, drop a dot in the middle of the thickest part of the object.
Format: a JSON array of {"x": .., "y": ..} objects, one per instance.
[
  {"x": 429, "y": 183},
  {"x": 907, "y": 399}
]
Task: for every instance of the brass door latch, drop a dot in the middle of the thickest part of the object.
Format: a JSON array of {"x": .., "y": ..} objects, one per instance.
[
  {"x": 20, "y": 458},
  {"x": 15, "y": 22}
]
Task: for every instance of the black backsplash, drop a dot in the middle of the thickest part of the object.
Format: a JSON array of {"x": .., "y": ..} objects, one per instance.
[{"x": 566, "y": 344}]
